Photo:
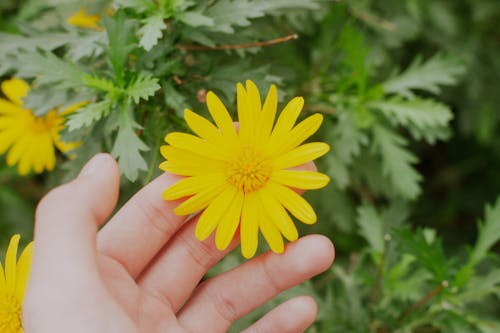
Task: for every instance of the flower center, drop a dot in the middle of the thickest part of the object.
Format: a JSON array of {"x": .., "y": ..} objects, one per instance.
[
  {"x": 43, "y": 124},
  {"x": 249, "y": 171},
  {"x": 10, "y": 314}
]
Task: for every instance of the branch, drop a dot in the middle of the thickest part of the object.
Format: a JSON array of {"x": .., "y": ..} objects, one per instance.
[
  {"x": 236, "y": 46},
  {"x": 424, "y": 300}
]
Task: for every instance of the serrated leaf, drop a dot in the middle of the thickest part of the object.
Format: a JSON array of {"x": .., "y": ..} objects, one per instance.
[
  {"x": 151, "y": 31},
  {"x": 173, "y": 98},
  {"x": 51, "y": 70},
  {"x": 99, "y": 83},
  {"x": 120, "y": 43},
  {"x": 429, "y": 254},
  {"x": 127, "y": 147},
  {"x": 142, "y": 88},
  {"x": 423, "y": 117},
  {"x": 140, "y": 6},
  {"x": 347, "y": 138},
  {"x": 397, "y": 161},
  {"x": 195, "y": 19},
  {"x": 438, "y": 71},
  {"x": 227, "y": 14},
  {"x": 371, "y": 227},
  {"x": 88, "y": 115},
  {"x": 489, "y": 233}
]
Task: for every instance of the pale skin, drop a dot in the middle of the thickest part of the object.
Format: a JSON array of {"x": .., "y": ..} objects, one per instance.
[{"x": 141, "y": 272}]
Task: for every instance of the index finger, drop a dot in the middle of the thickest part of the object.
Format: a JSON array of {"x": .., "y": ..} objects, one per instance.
[{"x": 141, "y": 227}]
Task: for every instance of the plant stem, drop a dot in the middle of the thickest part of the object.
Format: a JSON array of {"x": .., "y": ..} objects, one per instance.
[
  {"x": 423, "y": 300},
  {"x": 237, "y": 46}
]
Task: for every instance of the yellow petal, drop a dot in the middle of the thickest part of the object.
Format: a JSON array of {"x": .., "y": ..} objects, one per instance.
[
  {"x": 300, "y": 179},
  {"x": 301, "y": 155},
  {"x": 244, "y": 114},
  {"x": 271, "y": 235},
  {"x": 211, "y": 217},
  {"x": 72, "y": 108},
  {"x": 254, "y": 107},
  {"x": 10, "y": 263},
  {"x": 196, "y": 145},
  {"x": 182, "y": 162},
  {"x": 18, "y": 149},
  {"x": 200, "y": 200},
  {"x": 220, "y": 115},
  {"x": 295, "y": 204},
  {"x": 249, "y": 228},
  {"x": 9, "y": 136},
  {"x": 2, "y": 278},
  {"x": 83, "y": 20},
  {"x": 296, "y": 136},
  {"x": 8, "y": 108},
  {"x": 268, "y": 114},
  {"x": 23, "y": 271},
  {"x": 202, "y": 127},
  {"x": 288, "y": 117},
  {"x": 192, "y": 185},
  {"x": 229, "y": 222},
  {"x": 15, "y": 90},
  {"x": 277, "y": 215}
]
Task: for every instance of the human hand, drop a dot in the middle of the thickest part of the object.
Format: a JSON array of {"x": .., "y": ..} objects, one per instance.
[{"x": 141, "y": 271}]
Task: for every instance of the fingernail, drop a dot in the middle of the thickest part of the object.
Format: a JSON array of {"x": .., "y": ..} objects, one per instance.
[{"x": 96, "y": 163}]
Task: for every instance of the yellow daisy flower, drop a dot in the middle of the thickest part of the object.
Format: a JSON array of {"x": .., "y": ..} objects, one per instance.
[
  {"x": 83, "y": 20},
  {"x": 245, "y": 177},
  {"x": 29, "y": 139},
  {"x": 13, "y": 285}
]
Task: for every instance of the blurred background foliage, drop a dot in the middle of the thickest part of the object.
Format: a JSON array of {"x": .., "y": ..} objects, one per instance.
[{"x": 410, "y": 92}]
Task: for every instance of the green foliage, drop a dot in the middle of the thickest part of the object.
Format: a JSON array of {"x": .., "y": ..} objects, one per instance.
[{"x": 409, "y": 92}]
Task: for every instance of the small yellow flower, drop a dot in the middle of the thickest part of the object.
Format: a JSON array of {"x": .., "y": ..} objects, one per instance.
[
  {"x": 13, "y": 285},
  {"x": 83, "y": 20},
  {"x": 29, "y": 139},
  {"x": 245, "y": 177}
]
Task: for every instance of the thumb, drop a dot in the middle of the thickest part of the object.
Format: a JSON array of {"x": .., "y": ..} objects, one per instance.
[{"x": 68, "y": 217}]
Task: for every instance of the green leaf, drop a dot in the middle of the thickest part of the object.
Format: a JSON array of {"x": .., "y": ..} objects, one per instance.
[
  {"x": 142, "y": 88},
  {"x": 423, "y": 117},
  {"x": 88, "y": 115},
  {"x": 397, "y": 161},
  {"x": 173, "y": 98},
  {"x": 100, "y": 83},
  {"x": 371, "y": 227},
  {"x": 227, "y": 14},
  {"x": 440, "y": 70},
  {"x": 127, "y": 147},
  {"x": 140, "y": 6},
  {"x": 195, "y": 19},
  {"x": 151, "y": 31},
  {"x": 120, "y": 43},
  {"x": 51, "y": 70},
  {"x": 489, "y": 233},
  {"x": 429, "y": 253}
]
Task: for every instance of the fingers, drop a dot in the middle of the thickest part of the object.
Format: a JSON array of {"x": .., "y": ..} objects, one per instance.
[
  {"x": 67, "y": 219},
  {"x": 293, "y": 316},
  {"x": 184, "y": 256},
  {"x": 220, "y": 301},
  {"x": 141, "y": 227}
]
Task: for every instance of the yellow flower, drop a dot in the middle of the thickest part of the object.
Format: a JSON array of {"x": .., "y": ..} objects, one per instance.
[
  {"x": 83, "y": 20},
  {"x": 13, "y": 285},
  {"x": 29, "y": 139},
  {"x": 245, "y": 177}
]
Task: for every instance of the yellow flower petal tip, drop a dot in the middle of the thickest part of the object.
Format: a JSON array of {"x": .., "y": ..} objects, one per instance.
[
  {"x": 30, "y": 141},
  {"x": 83, "y": 20},
  {"x": 13, "y": 282},
  {"x": 245, "y": 178}
]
